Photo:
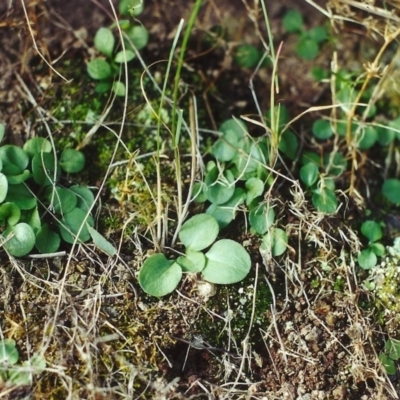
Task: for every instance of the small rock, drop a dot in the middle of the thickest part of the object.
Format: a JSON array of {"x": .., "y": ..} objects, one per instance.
[
  {"x": 313, "y": 335},
  {"x": 339, "y": 393}
]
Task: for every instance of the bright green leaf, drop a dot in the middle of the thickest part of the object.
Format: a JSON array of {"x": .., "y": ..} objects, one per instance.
[
  {"x": 99, "y": 69},
  {"x": 74, "y": 222},
  {"x": 309, "y": 174},
  {"x": 3, "y": 187},
  {"x": 322, "y": 129},
  {"x": 367, "y": 259},
  {"x": 104, "y": 41},
  {"x": 192, "y": 261},
  {"x": 391, "y": 190},
  {"x": 72, "y": 160},
  {"x": 47, "y": 241},
  {"x": 159, "y": 276},
  {"x": 325, "y": 200},
  {"x": 275, "y": 242},
  {"x": 19, "y": 239},
  {"x": 199, "y": 232},
  {"x": 371, "y": 230},
  {"x": 101, "y": 242},
  {"x": 261, "y": 218},
  {"x": 37, "y": 145},
  {"x": 227, "y": 262},
  {"x": 124, "y": 56}
]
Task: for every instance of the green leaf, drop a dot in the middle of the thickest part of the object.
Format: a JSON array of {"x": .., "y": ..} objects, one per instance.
[
  {"x": 2, "y": 131},
  {"x": 225, "y": 148},
  {"x": 192, "y": 261},
  {"x": 288, "y": 144},
  {"x": 307, "y": 48},
  {"x": 199, "y": 232},
  {"x": 318, "y": 34},
  {"x": 388, "y": 364},
  {"x": 335, "y": 164},
  {"x": 14, "y": 159},
  {"x": 22, "y": 239},
  {"x": 199, "y": 194},
  {"x": 8, "y": 352},
  {"x": 237, "y": 126},
  {"x": 9, "y": 214},
  {"x": 21, "y": 196},
  {"x": 99, "y": 69},
  {"x": 119, "y": 88},
  {"x": 220, "y": 186},
  {"x": 45, "y": 169},
  {"x": 254, "y": 188},
  {"x": 249, "y": 160},
  {"x": 37, "y": 145},
  {"x": 47, "y": 241},
  {"x": 3, "y": 187},
  {"x": 261, "y": 218},
  {"x": 71, "y": 224},
  {"x": 227, "y": 262},
  {"x": 367, "y": 259},
  {"x": 139, "y": 36},
  {"x": 367, "y": 137},
  {"x": 103, "y": 87},
  {"x": 20, "y": 178},
  {"x": 391, "y": 190},
  {"x": 392, "y": 349},
  {"x": 124, "y": 56},
  {"x": 64, "y": 200},
  {"x": 309, "y": 174},
  {"x": 322, "y": 129},
  {"x": 275, "y": 241},
  {"x": 72, "y": 160},
  {"x": 293, "y": 21},
  {"x": 131, "y": 7},
  {"x": 101, "y": 242},
  {"x": 225, "y": 213},
  {"x": 104, "y": 41},
  {"x": 159, "y": 276},
  {"x": 371, "y": 230},
  {"x": 247, "y": 56},
  {"x": 84, "y": 195},
  {"x": 325, "y": 200},
  {"x": 378, "y": 249}
]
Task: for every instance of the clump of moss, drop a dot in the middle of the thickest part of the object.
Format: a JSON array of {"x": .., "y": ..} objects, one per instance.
[
  {"x": 384, "y": 280},
  {"x": 234, "y": 304}
]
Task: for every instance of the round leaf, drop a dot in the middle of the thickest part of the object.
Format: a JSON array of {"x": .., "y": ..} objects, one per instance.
[
  {"x": 72, "y": 160},
  {"x": 9, "y": 214},
  {"x": 45, "y": 169},
  {"x": 64, "y": 200},
  {"x": 159, "y": 276},
  {"x": 3, "y": 187},
  {"x": 21, "y": 196},
  {"x": 8, "y": 352},
  {"x": 367, "y": 259},
  {"x": 221, "y": 187},
  {"x": 247, "y": 56},
  {"x": 199, "y": 232},
  {"x": 325, "y": 200},
  {"x": 227, "y": 262},
  {"x": 391, "y": 190},
  {"x": 309, "y": 174},
  {"x": 47, "y": 241},
  {"x": 22, "y": 240},
  {"x": 254, "y": 187},
  {"x": 14, "y": 159},
  {"x": 322, "y": 129},
  {"x": 275, "y": 241},
  {"x": 289, "y": 144},
  {"x": 104, "y": 41},
  {"x": 99, "y": 69},
  {"x": 71, "y": 224},
  {"x": 192, "y": 261},
  {"x": 371, "y": 230},
  {"x": 139, "y": 36},
  {"x": 37, "y": 145},
  {"x": 261, "y": 218},
  {"x": 84, "y": 195},
  {"x": 124, "y": 56},
  {"x": 119, "y": 88}
]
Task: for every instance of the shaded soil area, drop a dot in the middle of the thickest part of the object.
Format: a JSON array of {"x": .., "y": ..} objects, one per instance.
[{"x": 308, "y": 338}]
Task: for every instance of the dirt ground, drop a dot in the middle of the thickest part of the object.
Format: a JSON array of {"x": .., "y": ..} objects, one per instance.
[{"x": 102, "y": 337}]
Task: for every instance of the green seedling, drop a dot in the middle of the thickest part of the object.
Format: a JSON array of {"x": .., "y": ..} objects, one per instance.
[
  {"x": 12, "y": 373},
  {"x": 106, "y": 70},
  {"x": 247, "y": 56},
  {"x": 35, "y": 210},
  {"x": 225, "y": 262},
  {"x": 368, "y": 257},
  {"x": 390, "y": 355},
  {"x": 310, "y": 41},
  {"x": 318, "y": 175}
]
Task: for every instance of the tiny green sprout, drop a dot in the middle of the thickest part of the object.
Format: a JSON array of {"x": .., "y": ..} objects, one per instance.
[
  {"x": 247, "y": 56},
  {"x": 390, "y": 354},
  {"x": 309, "y": 40},
  {"x": 106, "y": 69},
  {"x": 368, "y": 257},
  {"x": 391, "y": 190}
]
